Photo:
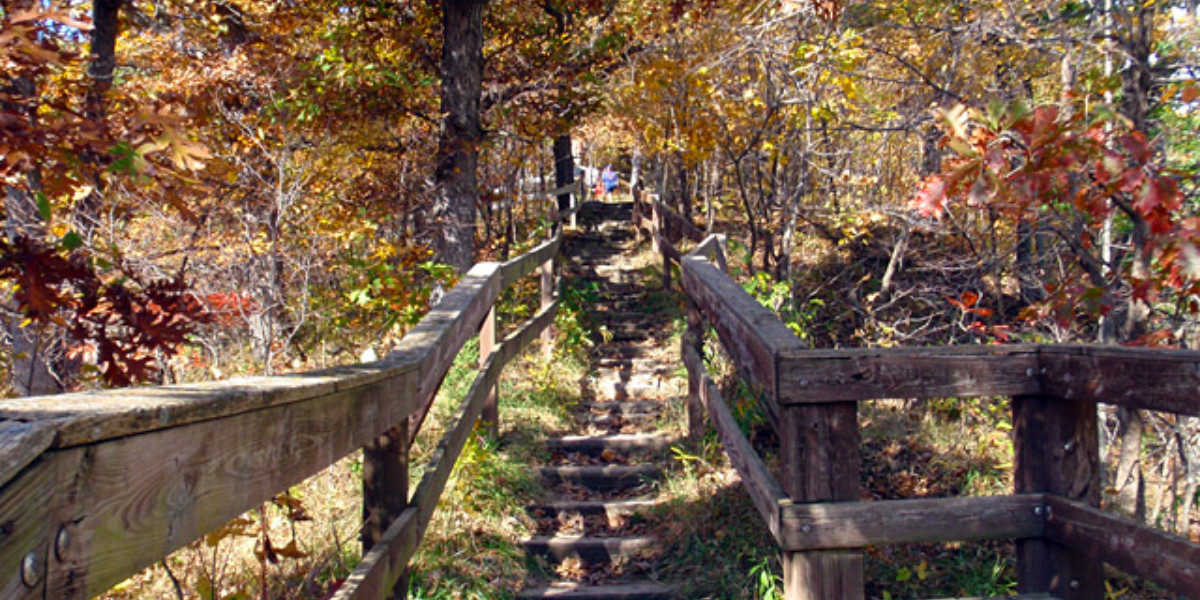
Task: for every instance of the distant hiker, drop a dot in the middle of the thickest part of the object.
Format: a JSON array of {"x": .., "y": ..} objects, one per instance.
[{"x": 609, "y": 179}]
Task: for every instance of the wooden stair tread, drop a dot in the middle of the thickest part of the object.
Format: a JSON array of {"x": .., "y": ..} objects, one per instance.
[
  {"x": 590, "y": 549},
  {"x": 624, "y": 407},
  {"x": 591, "y": 507},
  {"x": 637, "y": 590},
  {"x": 617, "y": 442}
]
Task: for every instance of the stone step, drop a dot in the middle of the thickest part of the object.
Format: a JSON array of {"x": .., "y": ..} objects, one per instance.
[
  {"x": 610, "y": 478},
  {"x": 621, "y": 442},
  {"x": 590, "y": 550},
  {"x": 636, "y": 590}
]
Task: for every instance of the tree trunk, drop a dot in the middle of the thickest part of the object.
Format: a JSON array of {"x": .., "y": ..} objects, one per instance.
[
  {"x": 103, "y": 60},
  {"x": 457, "y": 190},
  {"x": 564, "y": 168}
]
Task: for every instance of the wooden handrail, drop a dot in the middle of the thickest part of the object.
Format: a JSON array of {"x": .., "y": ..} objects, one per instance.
[
  {"x": 96, "y": 486},
  {"x": 810, "y": 396},
  {"x": 764, "y": 491}
]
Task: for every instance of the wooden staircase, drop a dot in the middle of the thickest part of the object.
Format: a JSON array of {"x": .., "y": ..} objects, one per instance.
[{"x": 592, "y": 541}]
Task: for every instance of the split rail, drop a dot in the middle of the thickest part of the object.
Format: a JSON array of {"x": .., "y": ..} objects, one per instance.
[
  {"x": 95, "y": 487},
  {"x": 812, "y": 507}
]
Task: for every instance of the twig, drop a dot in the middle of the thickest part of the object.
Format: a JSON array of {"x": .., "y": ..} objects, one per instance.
[{"x": 174, "y": 580}]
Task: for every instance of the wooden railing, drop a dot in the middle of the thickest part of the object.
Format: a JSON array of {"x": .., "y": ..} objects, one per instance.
[
  {"x": 96, "y": 486},
  {"x": 811, "y": 398}
]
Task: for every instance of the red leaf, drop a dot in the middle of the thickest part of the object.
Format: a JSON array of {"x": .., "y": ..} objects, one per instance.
[{"x": 931, "y": 199}]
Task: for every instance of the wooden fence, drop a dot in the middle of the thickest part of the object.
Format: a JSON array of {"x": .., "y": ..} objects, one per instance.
[
  {"x": 811, "y": 397},
  {"x": 95, "y": 487}
]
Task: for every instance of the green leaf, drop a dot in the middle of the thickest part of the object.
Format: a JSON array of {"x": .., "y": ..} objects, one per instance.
[
  {"x": 903, "y": 574},
  {"x": 72, "y": 241},
  {"x": 43, "y": 205}
]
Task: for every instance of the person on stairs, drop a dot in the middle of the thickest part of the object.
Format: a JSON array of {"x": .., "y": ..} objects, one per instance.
[{"x": 609, "y": 179}]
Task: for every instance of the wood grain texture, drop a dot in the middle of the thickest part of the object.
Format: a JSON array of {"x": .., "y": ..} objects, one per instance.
[
  {"x": 133, "y": 500},
  {"x": 21, "y": 443},
  {"x": 385, "y": 490},
  {"x": 513, "y": 270},
  {"x": 819, "y": 451},
  {"x": 1154, "y": 379},
  {"x": 1056, "y": 452},
  {"x": 844, "y": 525},
  {"x": 826, "y": 575},
  {"x": 764, "y": 491},
  {"x": 25, "y": 525},
  {"x": 90, "y": 417},
  {"x": 1169, "y": 561},
  {"x": 867, "y": 374},
  {"x": 752, "y": 335}
]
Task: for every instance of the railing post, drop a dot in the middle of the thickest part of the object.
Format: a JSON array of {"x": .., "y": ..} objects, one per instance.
[
  {"x": 546, "y": 299},
  {"x": 575, "y": 202},
  {"x": 487, "y": 345},
  {"x": 385, "y": 490},
  {"x": 694, "y": 337},
  {"x": 1056, "y": 451},
  {"x": 820, "y": 456}
]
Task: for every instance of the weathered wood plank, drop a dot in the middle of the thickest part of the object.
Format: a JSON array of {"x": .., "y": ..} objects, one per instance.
[
  {"x": 440, "y": 336},
  {"x": 96, "y": 416},
  {"x": 133, "y": 500},
  {"x": 1056, "y": 451},
  {"x": 1153, "y": 379},
  {"x": 385, "y": 564},
  {"x": 451, "y": 445},
  {"x": 819, "y": 451},
  {"x": 843, "y": 525},
  {"x": 668, "y": 250},
  {"x": 675, "y": 226},
  {"x": 713, "y": 248},
  {"x": 570, "y": 188},
  {"x": 487, "y": 345},
  {"x": 517, "y": 341},
  {"x": 752, "y": 335},
  {"x": 21, "y": 444},
  {"x": 547, "y": 296},
  {"x": 873, "y": 373},
  {"x": 385, "y": 489},
  {"x": 1169, "y": 561},
  {"x": 25, "y": 528},
  {"x": 441, "y": 464},
  {"x": 515, "y": 269},
  {"x": 764, "y": 491}
]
